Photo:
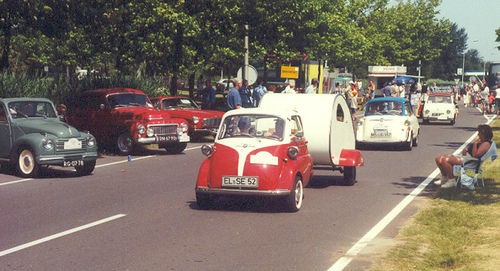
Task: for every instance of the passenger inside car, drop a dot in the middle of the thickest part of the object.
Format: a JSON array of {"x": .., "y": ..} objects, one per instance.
[{"x": 244, "y": 126}]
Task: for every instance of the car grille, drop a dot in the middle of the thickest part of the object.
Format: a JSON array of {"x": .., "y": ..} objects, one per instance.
[
  {"x": 60, "y": 146},
  {"x": 211, "y": 123},
  {"x": 164, "y": 129}
]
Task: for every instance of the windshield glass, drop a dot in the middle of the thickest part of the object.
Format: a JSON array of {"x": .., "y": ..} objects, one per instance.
[
  {"x": 384, "y": 108},
  {"x": 262, "y": 126},
  {"x": 439, "y": 99},
  {"x": 31, "y": 109},
  {"x": 178, "y": 103},
  {"x": 128, "y": 99}
]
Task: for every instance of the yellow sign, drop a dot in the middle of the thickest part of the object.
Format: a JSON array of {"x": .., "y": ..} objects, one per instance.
[{"x": 289, "y": 72}]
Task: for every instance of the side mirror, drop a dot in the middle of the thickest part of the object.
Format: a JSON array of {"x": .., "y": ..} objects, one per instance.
[{"x": 299, "y": 134}]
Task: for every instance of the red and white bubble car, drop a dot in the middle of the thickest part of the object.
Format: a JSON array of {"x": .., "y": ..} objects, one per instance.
[{"x": 271, "y": 150}]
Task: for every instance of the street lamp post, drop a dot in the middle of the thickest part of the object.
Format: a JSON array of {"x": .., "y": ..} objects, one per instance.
[{"x": 463, "y": 68}]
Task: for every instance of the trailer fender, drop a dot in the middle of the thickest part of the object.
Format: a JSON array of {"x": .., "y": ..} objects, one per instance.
[{"x": 351, "y": 158}]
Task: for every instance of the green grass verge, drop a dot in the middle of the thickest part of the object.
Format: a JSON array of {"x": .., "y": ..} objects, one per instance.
[{"x": 457, "y": 230}]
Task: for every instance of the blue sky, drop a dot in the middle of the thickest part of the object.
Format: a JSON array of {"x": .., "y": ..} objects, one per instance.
[{"x": 479, "y": 18}]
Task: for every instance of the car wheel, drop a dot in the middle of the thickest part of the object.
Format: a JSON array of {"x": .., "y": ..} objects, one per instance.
[
  {"x": 415, "y": 141},
  {"x": 294, "y": 200},
  {"x": 26, "y": 164},
  {"x": 349, "y": 176},
  {"x": 452, "y": 122},
  {"x": 124, "y": 144},
  {"x": 175, "y": 148},
  {"x": 204, "y": 201},
  {"x": 86, "y": 169},
  {"x": 409, "y": 145}
]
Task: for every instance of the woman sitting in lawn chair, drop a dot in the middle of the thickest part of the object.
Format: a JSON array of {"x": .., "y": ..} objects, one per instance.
[
  {"x": 470, "y": 172},
  {"x": 471, "y": 157}
]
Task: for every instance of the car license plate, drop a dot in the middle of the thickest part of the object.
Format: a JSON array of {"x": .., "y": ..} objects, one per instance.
[
  {"x": 72, "y": 144},
  {"x": 240, "y": 181},
  {"x": 163, "y": 138},
  {"x": 436, "y": 114},
  {"x": 73, "y": 163},
  {"x": 380, "y": 133}
]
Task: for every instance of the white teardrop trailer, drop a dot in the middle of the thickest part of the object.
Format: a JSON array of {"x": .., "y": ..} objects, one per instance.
[{"x": 328, "y": 129}]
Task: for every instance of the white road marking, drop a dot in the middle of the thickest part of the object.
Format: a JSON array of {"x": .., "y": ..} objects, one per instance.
[
  {"x": 61, "y": 234},
  {"x": 342, "y": 262},
  {"x": 99, "y": 166},
  {"x": 18, "y": 181}
]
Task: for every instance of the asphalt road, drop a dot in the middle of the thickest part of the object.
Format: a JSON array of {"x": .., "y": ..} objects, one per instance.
[{"x": 142, "y": 214}]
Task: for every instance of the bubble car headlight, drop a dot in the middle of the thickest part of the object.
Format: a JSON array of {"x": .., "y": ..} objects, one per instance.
[
  {"x": 448, "y": 111},
  {"x": 293, "y": 152},
  {"x": 207, "y": 150},
  {"x": 407, "y": 123},
  {"x": 48, "y": 144},
  {"x": 427, "y": 112}
]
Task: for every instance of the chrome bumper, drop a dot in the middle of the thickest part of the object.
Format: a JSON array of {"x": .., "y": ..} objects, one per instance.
[{"x": 241, "y": 192}]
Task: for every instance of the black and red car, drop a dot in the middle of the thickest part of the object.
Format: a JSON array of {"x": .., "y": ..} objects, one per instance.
[{"x": 201, "y": 122}]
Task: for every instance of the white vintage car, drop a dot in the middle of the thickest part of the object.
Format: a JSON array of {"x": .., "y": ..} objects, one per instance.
[
  {"x": 388, "y": 120},
  {"x": 439, "y": 107}
]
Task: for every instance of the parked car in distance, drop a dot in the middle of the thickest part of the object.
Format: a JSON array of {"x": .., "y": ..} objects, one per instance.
[
  {"x": 122, "y": 118},
  {"x": 32, "y": 136},
  {"x": 257, "y": 152},
  {"x": 440, "y": 107},
  {"x": 201, "y": 122},
  {"x": 388, "y": 120}
]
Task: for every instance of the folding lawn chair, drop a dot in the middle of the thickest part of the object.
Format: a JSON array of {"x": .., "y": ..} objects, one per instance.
[{"x": 471, "y": 173}]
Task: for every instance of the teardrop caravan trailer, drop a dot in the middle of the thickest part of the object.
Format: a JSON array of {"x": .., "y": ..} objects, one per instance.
[{"x": 328, "y": 128}]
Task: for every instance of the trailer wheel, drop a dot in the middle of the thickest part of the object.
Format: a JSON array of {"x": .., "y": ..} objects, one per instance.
[{"x": 349, "y": 176}]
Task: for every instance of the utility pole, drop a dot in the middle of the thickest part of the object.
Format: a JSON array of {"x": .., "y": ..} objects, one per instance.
[
  {"x": 463, "y": 69},
  {"x": 245, "y": 69},
  {"x": 419, "y": 68}
]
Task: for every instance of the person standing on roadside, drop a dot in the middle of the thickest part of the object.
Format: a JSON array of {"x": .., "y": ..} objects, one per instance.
[
  {"x": 433, "y": 88},
  {"x": 371, "y": 91},
  {"x": 233, "y": 97},
  {"x": 258, "y": 92},
  {"x": 290, "y": 88},
  {"x": 387, "y": 90},
  {"x": 199, "y": 87},
  {"x": 497, "y": 99},
  {"x": 313, "y": 87},
  {"x": 245, "y": 94},
  {"x": 208, "y": 96}
]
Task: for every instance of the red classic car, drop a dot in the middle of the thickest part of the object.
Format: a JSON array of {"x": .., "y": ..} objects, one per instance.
[
  {"x": 201, "y": 122},
  {"x": 256, "y": 153},
  {"x": 123, "y": 117}
]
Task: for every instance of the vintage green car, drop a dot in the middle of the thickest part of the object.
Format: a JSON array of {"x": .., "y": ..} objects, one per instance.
[{"x": 32, "y": 136}]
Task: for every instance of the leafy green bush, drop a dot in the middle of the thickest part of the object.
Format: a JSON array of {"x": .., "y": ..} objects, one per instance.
[{"x": 60, "y": 88}]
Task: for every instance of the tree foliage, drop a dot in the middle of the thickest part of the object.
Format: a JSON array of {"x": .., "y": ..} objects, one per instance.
[{"x": 178, "y": 38}]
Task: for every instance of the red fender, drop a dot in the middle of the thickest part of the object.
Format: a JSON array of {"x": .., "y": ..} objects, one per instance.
[
  {"x": 203, "y": 173},
  {"x": 351, "y": 158}
]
